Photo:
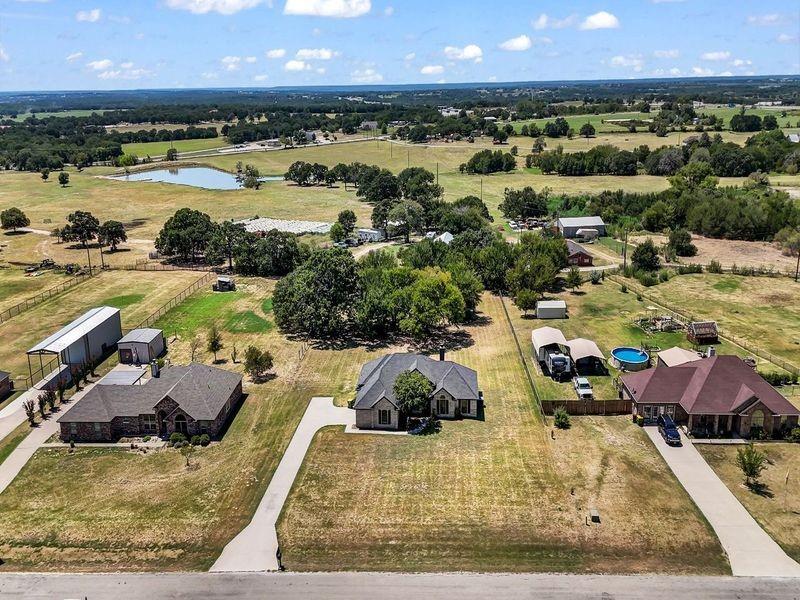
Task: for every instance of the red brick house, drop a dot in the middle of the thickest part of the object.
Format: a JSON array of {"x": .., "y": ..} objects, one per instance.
[
  {"x": 193, "y": 400},
  {"x": 714, "y": 395},
  {"x": 577, "y": 255}
]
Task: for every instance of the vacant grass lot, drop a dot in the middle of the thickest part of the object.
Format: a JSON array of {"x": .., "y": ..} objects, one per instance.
[
  {"x": 777, "y": 510},
  {"x": 763, "y": 311},
  {"x": 604, "y": 314},
  {"x": 494, "y": 495},
  {"x": 16, "y": 286},
  {"x": 150, "y": 290},
  {"x": 143, "y": 149}
]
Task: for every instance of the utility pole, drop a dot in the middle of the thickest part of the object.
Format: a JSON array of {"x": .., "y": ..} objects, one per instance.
[{"x": 625, "y": 252}]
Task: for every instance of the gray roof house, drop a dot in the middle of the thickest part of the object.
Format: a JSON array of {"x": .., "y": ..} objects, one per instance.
[
  {"x": 192, "y": 400},
  {"x": 569, "y": 226},
  {"x": 455, "y": 392}
]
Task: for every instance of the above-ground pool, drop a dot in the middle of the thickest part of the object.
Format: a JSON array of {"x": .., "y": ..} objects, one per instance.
[{"x": 630, "y": 359}]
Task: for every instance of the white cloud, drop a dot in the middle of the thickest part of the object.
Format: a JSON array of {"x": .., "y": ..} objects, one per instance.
[
  {"x": 630, "y": 61},
  {"x": 675, "y": 71},
  {"x": 296, "y": 65},
  {"x": 785, "y": 38},
  {"x": 250, "y": 59},
  {"x": 89, "y": 16},
  {"x": 739, "y": 62},
  {"x": 74, "y": 56},
  {"x": 544, "y": 21},
  {"x": 725, "y": 74},
  {"x": 716, "y": 55},
  {"x": 320, "y": 70},
  {"x": 100, "y": 65},
  {"x": 600, "y": 20},
  {"x": 672, "y": 53},
  {"x": 340, "y": 9},
  {"x": 130, "y": 74},
  {"x": 410, "y": 56},
  {"x": 260, "y": 77},
  {"x": 223, "y": 7},
  {"x": 388, "y": 11},
  {"x": 127, "y": 65},
  {"x": 276, "y": 53},
  {"x": 765, "y": 20},
  {"x": 366, "y": 76},
  {"x": 468, "y": 52},
  {"x": 315, "y": 54},
  {"x": 231, "y": 63},
  {"x": 4, "y": 57},
  {"x": 432, "y": 70},
  {"x": 517, "y": 44},
  {"x": 702, "y": 72}
]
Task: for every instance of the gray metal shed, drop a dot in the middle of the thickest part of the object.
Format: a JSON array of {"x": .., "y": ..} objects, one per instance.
[{"x": 141, "y": 346}]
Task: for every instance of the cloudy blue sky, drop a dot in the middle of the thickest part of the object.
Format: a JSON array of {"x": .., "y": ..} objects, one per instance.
[{"x": 112, "y": 44}]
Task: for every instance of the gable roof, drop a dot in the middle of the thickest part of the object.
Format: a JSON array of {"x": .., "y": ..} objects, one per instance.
[
  {"x": 4, "y": 375},
  {"x": 545, "y": 336},
  {"x": 141, "y": 335},
  {"x": 68, "y": 335},
  {"x": 672, "y": 357},
  {"x": 200, "y": 391},
  {"x": 581, "y": 222},
  {"x": 582, "y": 348},
  {"x": 716, "y": 385},
  {"x": 574, "y": 248},
  {"x": 377, "y": 378}
]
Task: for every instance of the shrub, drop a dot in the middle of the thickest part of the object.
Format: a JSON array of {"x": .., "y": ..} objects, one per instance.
[
  {"x": 594, "y": 277},
  {"x": 714, "y": 267},
  {"x": 663, "y": 276},
  {"x": 561, "y": 418},
  {"x": 646, "y": 279},
  {"x": 623, "y": 288},
  {"x": 177, "y": 438},
  {"x": 776, "y": 379},
  {"x": 689, "y": 269},
  {"x": 205, "y": 440},
  {"x": 794, "y": 435},
  {"x": 146, "y": 438},
  {"x": 195, "y": 441}
]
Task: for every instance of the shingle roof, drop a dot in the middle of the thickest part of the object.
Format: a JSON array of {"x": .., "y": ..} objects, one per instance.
[
  {"x": 716, "y": 385},
  {"x": 4, "y": 375},
  {"x": 201, "y": 391},
  {"x": 377, "y": 378},
  {"x": 141, "y": 335},
  {"x": 574, "y": 248}
]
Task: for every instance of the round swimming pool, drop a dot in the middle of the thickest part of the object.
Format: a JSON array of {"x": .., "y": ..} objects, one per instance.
[{"x": 630, "y": 359}]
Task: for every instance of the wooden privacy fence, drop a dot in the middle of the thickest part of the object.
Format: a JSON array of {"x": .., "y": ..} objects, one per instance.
[
  {"x": 590, "y": 407},
  {"x": 42, "y": 296}
]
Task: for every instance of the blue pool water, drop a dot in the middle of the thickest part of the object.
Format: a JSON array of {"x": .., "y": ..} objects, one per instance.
[
  {"x": 201, "y": 177},
  {"x": 630, "y": 355}
]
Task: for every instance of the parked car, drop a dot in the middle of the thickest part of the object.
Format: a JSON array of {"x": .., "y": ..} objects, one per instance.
[
  {"x": 583, "y": 388},
  {"x": 668, "y": 430}
]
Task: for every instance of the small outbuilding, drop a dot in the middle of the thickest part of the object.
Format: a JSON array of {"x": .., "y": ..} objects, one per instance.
[
  {"x": 6, "y": 384},
  {"x": 551, "y": 309},
  {"x": 141, "y": 346},
  {"x": 572, "y": 227},
  {"x": 547, "y": 338},
  {"x": 445, "y": 238},
  {"x": 366, "y": 234},
  {"x": 577, "y": 255},
  {"x": 224, "y": 284},
  {"x": 586, "y": 355},
  {"x": 702, "y": 332}
]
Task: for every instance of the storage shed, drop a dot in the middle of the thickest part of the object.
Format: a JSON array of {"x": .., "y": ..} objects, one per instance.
[
  {"x": 141, "y": 346},
  {"x": 87, "y": 339},
  {"x": 569, "y": 226},
  {"x": 6, "y": 384},
  {"x": 702, "y": 332},
  {"x": 551, "y": 309},
  {"x": 370, "y": 235}
]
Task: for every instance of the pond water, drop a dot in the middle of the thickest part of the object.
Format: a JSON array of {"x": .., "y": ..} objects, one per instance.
[{"x": 201, "y": 177}]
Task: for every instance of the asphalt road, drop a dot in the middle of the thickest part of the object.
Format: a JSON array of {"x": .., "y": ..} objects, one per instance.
[{"x": 369, "y": 586}]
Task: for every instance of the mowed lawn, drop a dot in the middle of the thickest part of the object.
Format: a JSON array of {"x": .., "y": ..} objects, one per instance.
[
  {"x": 605, "y": 314},
  {"x": 138, "y": 294},
  {"x": 493, "y": 495},
  {"x": 777, "y": 510},
  {"x": 763, "y": 311},
  {"x": 143, "y": 149},
  {"x": 17, "y": 286}
]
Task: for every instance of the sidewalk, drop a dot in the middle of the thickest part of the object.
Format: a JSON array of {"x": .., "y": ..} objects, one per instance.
[{"x": 752, "y": 553}]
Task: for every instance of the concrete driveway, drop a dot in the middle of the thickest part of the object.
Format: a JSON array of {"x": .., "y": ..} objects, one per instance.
[
  {"x": 752, "y": 553},
  {"x": 255, "y": 547}
]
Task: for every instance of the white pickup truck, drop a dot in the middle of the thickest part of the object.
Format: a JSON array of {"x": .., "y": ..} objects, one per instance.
[{"x": 583, "y": 388}]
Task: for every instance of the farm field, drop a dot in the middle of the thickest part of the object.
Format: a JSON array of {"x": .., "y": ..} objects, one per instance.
[
  {"x": 143, "y": 149},
  {"x": 128, "y": 501},
  {"x": 777, "y": 509},
  {"x": 138, "y": 295},
  {"x": 493, "y": 495},
  {"x": 16, "y": 287},
  {"x": 763, "y": 311},
  {"x": 61, "y": 113},
  {"x": 604, "y": 314}
]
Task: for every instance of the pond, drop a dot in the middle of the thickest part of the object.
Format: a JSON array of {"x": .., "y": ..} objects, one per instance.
[{"x": 201, "y": 177}]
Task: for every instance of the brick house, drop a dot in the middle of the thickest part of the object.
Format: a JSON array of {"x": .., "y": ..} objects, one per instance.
[
  {"x": 193, "y": 400},
  {"x": 455, "y": 390}
]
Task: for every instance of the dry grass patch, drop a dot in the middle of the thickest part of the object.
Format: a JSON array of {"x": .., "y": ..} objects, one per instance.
[
  {"x": 777, "y": 510},
  {"x": 494, "y": 495}
]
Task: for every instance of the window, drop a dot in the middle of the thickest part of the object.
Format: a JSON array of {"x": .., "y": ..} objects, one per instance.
[
  {"x": 149, "y": 423},
  {"x": 757, "y": 419},
  {"x": 73, "y": 429},
  {"x": 384, "y": 417},
  {"x": 442, "y": 406},
  {"x": 97, "y": 427},
  {"x": 671, "y": 410},
  {"x": 464, "y": 407}
]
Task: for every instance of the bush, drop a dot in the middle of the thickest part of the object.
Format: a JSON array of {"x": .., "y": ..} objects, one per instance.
[
  {"x": 561, "y": 418},
  {"x": 689, "y": 269},
  {"x": 777, "y": 379},
  {"x": 663, "y": 276},
  {"x": 794, "y": 435},
  {"x": 646, "y": 279},
  {"x": 146, "y": 438},
  {"x": 195, "y": 441},
  {"x": 176, "y": 438},
  {"x": 594, "y": 277},
  {"x": 714, "y": 267},
  {"x": 205, "y": 440},
  {"x": 623, "y": 288}
]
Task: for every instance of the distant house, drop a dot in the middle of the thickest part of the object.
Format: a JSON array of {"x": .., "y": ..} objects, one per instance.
[
  {"x": 449, "y": 111},
  {"x": 369, "y": 125},
  {"x": 370, "y": 235},
  {"x": 702, "y": 332},
  {"x": 570, "y": 227},
  {"x": 794, "y": 138},
  {"x": 445, "y": 238},
  {"x": 577, "y": 255},
  {"x": 193, "y": 400},
  {"x": 455, "y": 390},
  {"x": 140, "y": 346},
  {"x": 6, "y": 384},
  {"x": 713, "y": 395}
]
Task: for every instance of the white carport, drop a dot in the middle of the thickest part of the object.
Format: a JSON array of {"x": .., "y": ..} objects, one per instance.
[
  {"x": 585, "y": 354},
  {"x": 544, "y": 337}
]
